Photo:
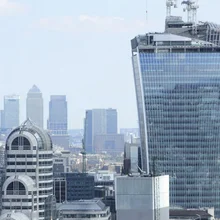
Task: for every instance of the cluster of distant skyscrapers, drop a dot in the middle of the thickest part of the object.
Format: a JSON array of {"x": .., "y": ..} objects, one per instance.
[
  {"x": 57, "y": 123},
  {"x": 101, "y": 125},
  {"x": 10, "y": 116}
]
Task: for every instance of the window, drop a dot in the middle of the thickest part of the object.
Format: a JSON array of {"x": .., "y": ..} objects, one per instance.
[
  {"x": 16, "y": 188},
  {"x": 20, "y": 142}
]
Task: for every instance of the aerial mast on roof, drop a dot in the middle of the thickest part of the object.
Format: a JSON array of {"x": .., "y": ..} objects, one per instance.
[{"x": 170, "y": 4}]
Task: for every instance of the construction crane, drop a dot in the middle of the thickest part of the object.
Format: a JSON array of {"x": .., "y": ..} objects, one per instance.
[
  {"x": 170, "y": 4},
  {"x": 191, "y": 8},
  {"x": 83, "y": 152}
]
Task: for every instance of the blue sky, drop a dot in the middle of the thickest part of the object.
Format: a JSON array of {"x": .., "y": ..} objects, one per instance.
[{"x": 80, "y": 49}]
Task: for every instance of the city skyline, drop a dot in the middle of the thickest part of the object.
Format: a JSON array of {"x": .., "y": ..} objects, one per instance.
[{"x": 47, "y": 47}]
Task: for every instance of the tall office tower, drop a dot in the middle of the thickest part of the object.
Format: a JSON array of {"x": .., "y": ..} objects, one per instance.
[
  {"x": 111, "y": 121},
  {"x": 177, "y": 81},
  {"x": 29, "y": 173},
  {"x": 58, "y": 122},
  {"x": 34, "y": 106},
  {"x": 2, "y": 118},
  {"x": 11, "y": 111},
  {"x": 99, "y": 122}
]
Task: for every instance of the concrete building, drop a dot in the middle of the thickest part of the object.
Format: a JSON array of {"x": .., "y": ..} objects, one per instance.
[
  {"x": 57, "y": 123},
  {"x": 138, "y": 197},
  {"x": 84, "y": 209},
  {"x": 109, "y": 143},
  {"x": 11, "y": 111},
  {"x": 99, "y": 122},
  {"x": 35, "y": 107},
  {"x": 61, "y": 164},
  {"x": 177, "y": 81},
  {"x": 29, "y": 174}
]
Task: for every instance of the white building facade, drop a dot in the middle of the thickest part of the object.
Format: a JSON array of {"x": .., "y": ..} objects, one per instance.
[
  {"x": 29, "y": 173},
  {"x": 140, "y": 197}
]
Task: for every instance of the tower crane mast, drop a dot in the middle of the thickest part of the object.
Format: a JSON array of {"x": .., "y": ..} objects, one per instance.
[
  {"x": 170, "y": 4},
  {"x": 191, "y": 8}
]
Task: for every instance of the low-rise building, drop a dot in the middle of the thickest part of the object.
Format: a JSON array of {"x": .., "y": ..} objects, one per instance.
[
  {"x": 188, "y": 214},
  {"x": 84, "y": 209}
]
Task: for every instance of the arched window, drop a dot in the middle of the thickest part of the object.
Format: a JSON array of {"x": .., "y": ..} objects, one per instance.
[
  {"x": 20, "y": 142},
  {"x": 16, "y": 188}
]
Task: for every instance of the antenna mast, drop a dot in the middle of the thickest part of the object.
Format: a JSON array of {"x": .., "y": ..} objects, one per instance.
[{"x": 170, "y": 4}]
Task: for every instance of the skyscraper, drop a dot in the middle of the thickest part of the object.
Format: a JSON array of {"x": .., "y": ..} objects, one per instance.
[
  {"x": 99, "y": 121},
  {"x": 11, "y": 111},
  {"x": 29, "y": 173},
  {"x": 177, "y": 82},
  {"x": 34, "y": 106},
  {"x": 57, "y": 123}
]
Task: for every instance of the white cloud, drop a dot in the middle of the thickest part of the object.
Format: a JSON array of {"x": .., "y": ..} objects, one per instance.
[
  {"x": 87, "y": 23},
  {"x": 9, "y": 7}
]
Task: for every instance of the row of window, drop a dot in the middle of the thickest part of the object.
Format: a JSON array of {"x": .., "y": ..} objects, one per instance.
[
  {"x": 41, "y": 156},
  {"x": 18, "y": 200},
  {"x": 41, "y": 163},
  {"x": 85, "y": 215},
  {"x": 21, "y": 170}
]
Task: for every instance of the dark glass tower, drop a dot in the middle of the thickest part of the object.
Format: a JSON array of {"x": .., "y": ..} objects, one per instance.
[{"x": 177, "y": 81}]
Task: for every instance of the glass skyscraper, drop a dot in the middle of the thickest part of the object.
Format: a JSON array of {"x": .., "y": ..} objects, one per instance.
[
  {"x": 11, "y": 111},
  {"x": 99, "y": 121},
  {"x": 57, "y": 122},
  {"x": 34, "y": 106},
  {"x": 177, "y": 82}
]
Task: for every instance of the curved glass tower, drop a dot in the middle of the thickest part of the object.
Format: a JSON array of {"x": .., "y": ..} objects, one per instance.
[{"x": 177, "y": 81}]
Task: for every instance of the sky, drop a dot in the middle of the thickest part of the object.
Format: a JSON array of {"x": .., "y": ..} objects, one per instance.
[{"x": 79, "y": 48}]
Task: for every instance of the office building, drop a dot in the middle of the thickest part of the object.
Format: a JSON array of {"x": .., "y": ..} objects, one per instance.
[
  {"x": 99, "y": 122},
  {"x": 57, "y": 123},
  {"x": 60, "y": 189},
  {"x": 84, "y": 209},
  {"x": 61, "y": 164},
  {"x": 138, "y": 197},
  {"x": 11, "y": 111},
  {"x": 28, "y": 187},
  {"x": 2, "y": 119},
  {"x": 79, "y": 186},
  {"x": 109, "y": 143},
  {"x": 34, "y": 106},
  {"x": 177, "y": 81}
]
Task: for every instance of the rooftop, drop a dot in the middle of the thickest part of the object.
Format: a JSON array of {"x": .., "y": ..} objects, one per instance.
[
  {"x": 82, "y": 205},
  {"x": 34, "y": 89},
  {"x": 188, "y": 213}
]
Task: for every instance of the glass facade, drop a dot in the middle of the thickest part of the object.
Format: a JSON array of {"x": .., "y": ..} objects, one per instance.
[{"x": 178, "y": 100}]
